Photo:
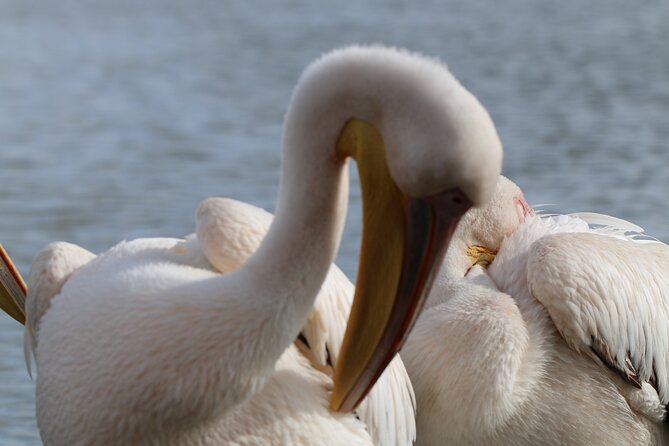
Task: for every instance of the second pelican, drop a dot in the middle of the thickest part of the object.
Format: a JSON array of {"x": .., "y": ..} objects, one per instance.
[{"x": 562, "y": 341}]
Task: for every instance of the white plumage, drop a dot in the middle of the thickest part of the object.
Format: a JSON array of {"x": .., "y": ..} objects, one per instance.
[
  {"x": 228, "y": 232},
  {"x": 148, "y": 344},
  {"x": 516, "y": 349},
  {"x": 608, "y": 298}
]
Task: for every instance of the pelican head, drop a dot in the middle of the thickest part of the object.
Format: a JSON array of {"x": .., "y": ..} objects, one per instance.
[
  {"x": 426, "y": 151},
  {"x": 486, "y": 227},
  {"x": 482, "y": 230}
]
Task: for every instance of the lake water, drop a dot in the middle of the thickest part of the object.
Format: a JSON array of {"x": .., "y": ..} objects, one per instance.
[{"x": 118, "y": 117}]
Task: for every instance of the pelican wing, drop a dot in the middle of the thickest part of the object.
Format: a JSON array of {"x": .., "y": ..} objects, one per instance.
[
  {"x": 609, "y": 298},
  {"x": 50, "y": 269},
  {"x": 389, "y": 408},
  {"x": 228, "y": 232}
]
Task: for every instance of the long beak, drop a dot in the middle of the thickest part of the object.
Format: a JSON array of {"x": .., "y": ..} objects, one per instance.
[
  {"x": 403, "y": 243},
  {"x": 12, "y": 289}
]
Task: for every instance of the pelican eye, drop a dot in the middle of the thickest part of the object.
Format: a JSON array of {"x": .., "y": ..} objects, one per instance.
[{"x": 480, "y": 255}]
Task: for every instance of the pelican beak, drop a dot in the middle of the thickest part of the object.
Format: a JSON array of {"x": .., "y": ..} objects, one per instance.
[
  {"x": 403, "y": 243},
  {"x": 12, "y": 289}
]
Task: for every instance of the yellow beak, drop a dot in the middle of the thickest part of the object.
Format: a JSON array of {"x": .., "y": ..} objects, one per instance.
[
  {"x": 403, "y": 243},
  {"x": 12, "y": 289}
]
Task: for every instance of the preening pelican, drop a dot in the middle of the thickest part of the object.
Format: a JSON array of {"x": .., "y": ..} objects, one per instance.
[
  {"x": 142, "y": 346},
  {"x": 564, "y": 340},
  {"x": 228, "y": 232}
]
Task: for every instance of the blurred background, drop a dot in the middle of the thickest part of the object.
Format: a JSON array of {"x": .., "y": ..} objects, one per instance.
[{"x": 117, "y": 117}]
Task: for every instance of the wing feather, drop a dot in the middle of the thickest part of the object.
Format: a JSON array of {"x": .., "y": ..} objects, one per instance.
[
  {"x": 50, "y": 269},
  {"x": 389, "y": 408},
  {"x": 594, "y": 218},
  {"x": 608, "y": 298}
]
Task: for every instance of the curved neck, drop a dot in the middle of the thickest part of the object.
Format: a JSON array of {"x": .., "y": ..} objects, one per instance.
[
  {"x": 280, "y": 282},
  {"x": 292, "y": 262},
  {"x": 293, "y": 259},
  {"x": 274, "y": 291}
]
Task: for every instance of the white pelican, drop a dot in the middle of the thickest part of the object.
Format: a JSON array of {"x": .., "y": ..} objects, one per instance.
[
  {"x": 563, "y": 341},
  {"x": 143, "y": 345},
  {"x": 228, "y": 232}
]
